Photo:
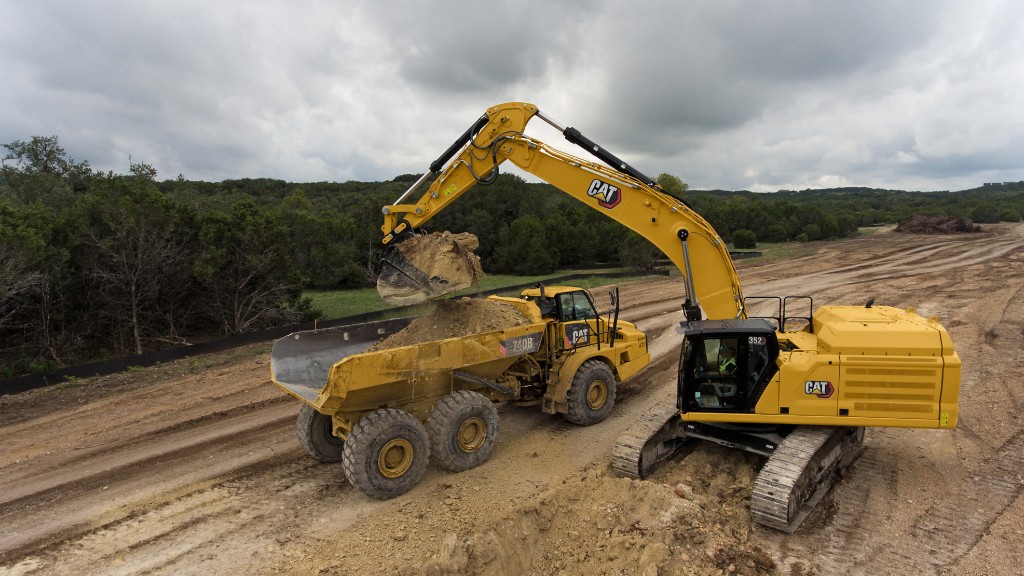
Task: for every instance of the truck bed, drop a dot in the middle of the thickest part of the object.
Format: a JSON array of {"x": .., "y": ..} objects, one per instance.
[{"x": 330, "y": 370}]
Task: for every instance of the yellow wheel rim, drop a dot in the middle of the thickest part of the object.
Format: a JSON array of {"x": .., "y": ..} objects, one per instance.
[
  {"x": 472, "y": 434},
  {"x": 395, "y": 458},
  {"x": 597, "y": 394}
]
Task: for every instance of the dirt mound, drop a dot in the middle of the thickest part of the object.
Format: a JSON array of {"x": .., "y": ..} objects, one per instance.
[
  {"x": 609, "y": 526},
  {"x": 454, "y": 318},
  {"x": 918, "y": 224},
  {"x": 429, "y": 265},
  {"x": 691, "y": 518}
]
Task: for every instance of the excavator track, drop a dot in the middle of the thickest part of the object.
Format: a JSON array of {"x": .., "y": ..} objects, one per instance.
[
  {"x": 655, "y": 437},
  {"x": 800, "y": 472}
]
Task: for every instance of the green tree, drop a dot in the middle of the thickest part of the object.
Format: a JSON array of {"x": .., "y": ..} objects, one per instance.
[
  {"x": 297, "y": 200},
  {"x": 744, "y": 239},
  {"x": 986, "y": 213},
  {"x": 320, "y": 248},
  {"x": 523, "y": 248},
  {"x": 672, "y": 184},
  {"x": 637, "y": 252},
  {"x": 42, "y": 155},
  {"x": 245, "y": 266},
  {"x": 21, "y": 276},
  {"x": 569, "y": 229},
  {"x": 133, "y": 252},
  {"x": 812, "y": 232},
  {"x": 41, "y": 170}
]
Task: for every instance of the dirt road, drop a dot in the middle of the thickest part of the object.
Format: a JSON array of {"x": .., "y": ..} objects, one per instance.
[{"x": 193, "y": 467}]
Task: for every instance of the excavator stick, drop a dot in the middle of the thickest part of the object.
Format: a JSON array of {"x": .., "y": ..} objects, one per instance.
[{"x": 427, "y": 266}]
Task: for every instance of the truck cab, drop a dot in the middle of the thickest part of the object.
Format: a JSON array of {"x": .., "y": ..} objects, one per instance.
[{"x": 576, "y": 318}]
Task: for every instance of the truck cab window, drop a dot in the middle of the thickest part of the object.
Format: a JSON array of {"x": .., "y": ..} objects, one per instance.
[{"x": 575, "y": 306}]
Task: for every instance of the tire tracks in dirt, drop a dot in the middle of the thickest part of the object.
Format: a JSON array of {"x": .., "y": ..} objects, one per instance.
[{"x": 64, "y": 501}]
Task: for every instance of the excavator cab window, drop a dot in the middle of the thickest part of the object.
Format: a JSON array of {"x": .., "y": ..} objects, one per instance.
[
  {"x": 724, "y": 370},
  {"x": 715, "y": 372}
]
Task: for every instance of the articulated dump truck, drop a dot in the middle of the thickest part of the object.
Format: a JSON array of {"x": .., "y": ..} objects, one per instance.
[{"x": 383, "y": 412}]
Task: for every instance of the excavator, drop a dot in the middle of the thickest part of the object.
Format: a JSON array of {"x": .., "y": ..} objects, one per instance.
[{"x": 796, "y": 386}]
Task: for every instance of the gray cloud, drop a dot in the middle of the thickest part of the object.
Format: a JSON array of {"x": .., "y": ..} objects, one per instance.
[
  {"x": 479, "y": 47},
  {"x": 725, "y": 94}
]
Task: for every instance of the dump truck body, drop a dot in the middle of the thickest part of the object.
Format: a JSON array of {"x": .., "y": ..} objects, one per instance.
[
  {"x": 564, "y": 357},
  {"x": 408, "y": 376}
]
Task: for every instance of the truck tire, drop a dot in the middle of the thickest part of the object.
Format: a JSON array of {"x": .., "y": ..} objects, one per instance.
[
  {"x": 315, "y": 435},
  {"x": 463, "y": 428},
  {"x": 592, "y": 393},
  {"x": 386, "y": 453}
]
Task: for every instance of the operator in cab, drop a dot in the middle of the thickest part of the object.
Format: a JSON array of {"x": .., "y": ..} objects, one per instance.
[{"x": 727, "y": 359}]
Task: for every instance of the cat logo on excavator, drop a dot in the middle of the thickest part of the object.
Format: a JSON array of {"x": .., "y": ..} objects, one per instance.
[
  {"x": 820, "y": 388},
  {"x": 608, "y": 196}
]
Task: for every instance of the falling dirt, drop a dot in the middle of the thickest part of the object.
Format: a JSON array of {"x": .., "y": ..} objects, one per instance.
[
  {"x": 193, "y": 467},
  {"x": 429, "y": 266},
  {"x": 454, "y": 318}
]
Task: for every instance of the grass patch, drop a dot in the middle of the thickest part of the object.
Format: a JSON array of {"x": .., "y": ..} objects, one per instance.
[
  {"x": 775, "y": 251},
  {"x": 341, "y": 303}
]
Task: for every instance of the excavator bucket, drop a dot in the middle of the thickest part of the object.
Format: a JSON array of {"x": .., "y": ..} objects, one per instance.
[{"x": 428, "y": 266}]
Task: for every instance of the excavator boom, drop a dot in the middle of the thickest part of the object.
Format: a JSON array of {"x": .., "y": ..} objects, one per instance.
[{"x": 620, "y": 192}]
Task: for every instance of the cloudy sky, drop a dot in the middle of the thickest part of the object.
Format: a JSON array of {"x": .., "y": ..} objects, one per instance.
[{"x": 757, "y": 95}]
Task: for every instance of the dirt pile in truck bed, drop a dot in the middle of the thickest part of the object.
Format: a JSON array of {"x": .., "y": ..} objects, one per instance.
[
  {"x": 454, "y": 318},
  {"x": 918, "y": 224}
]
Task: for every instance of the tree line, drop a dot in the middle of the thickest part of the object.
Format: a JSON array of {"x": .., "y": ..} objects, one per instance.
[{"x": 98, "y": 264}]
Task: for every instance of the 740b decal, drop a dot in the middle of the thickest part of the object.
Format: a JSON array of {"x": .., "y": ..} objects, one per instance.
[{"x": 516, "y": 345}]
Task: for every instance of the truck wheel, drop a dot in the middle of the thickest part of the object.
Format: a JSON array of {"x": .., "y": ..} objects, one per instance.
[
  {"x": 386, "y": 453},
  {"x": 463, "y": 429},
  {"x": 316, "y": 437},
  {"x": 592, "y": 393}
]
